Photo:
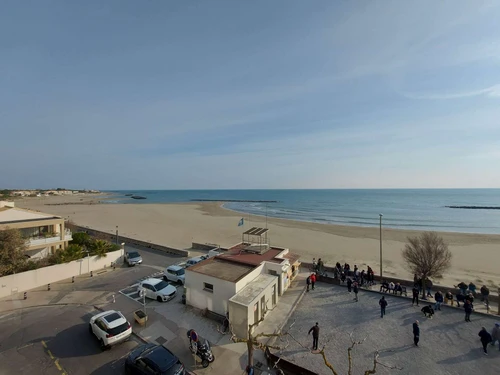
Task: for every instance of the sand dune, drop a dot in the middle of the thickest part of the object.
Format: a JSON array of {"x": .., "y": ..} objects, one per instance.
[{"x": 475, "y": 256}]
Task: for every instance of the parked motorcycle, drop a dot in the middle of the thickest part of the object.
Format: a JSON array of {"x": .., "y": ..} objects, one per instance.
[{"x": 202, "y": 350}]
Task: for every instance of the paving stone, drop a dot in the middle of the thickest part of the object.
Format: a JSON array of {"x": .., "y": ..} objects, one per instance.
[{"x": 448, "y": 345}]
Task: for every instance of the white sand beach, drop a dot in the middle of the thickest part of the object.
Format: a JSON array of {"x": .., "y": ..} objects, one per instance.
[{"x": 475, "y": 256}]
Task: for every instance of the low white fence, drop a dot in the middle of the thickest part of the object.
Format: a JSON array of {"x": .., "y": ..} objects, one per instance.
[{"x": 24, "y": 281}]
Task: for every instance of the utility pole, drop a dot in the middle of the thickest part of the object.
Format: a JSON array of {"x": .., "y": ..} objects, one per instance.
[{"x": 380, "y": 227}]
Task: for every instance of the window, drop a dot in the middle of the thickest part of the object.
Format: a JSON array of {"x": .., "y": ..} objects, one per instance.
[{"x": 208, "y": 287}]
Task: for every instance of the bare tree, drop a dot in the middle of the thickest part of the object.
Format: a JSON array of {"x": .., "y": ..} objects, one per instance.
[
  {"x": 12, "y": 251},
  {"x": 253, "y": 341},
  {"x": 427, "y": 255}
]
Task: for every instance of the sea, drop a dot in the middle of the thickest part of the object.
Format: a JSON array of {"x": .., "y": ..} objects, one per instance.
[{"x": 417, "y": 209}]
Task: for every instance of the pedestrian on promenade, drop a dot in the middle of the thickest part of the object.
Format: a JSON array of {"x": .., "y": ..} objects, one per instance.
[
  {"x": 428, "y": 285},
  {"x": 315, "y": 331},
  {"x": 415, "y": 292},
  {"x": 416, "y": 333},
  {"x": 449, "y": 298},
  {"x": 355, "y": 289},
  {"x": 495, "y": 335},
  {"x": 485, "y": 339},
  {"x": 308, "y": 282},
  {"x": 463, "y": 287},
  {"x": 485, "y": 293},
  {"x": 428, "y": 311},
  {"x": 383, "y": 305},
  {"x": 438, "y": 297},
  {"x": 468, "y": 310},
  {"x": 349, "y": 284},
  {"x": 313, "y": 280}
]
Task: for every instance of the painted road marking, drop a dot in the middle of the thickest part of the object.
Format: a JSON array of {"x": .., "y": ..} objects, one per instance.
[
  {"x": 24, "y": 346},
  {"x": 56, "y": 360}
]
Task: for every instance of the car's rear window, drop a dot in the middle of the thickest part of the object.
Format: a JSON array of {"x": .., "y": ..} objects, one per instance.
[
  {"x": 117, "y": 330},
  {"x": 112, "y": 317}
]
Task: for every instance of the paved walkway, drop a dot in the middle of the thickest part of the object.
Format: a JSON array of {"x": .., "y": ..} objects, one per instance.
[{"x": 448, "y": 344}]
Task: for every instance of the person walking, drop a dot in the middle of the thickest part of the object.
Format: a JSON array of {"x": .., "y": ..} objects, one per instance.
[
  {"x": 495, "y": 335},
  {"x": 349, "y": 284},
  {"x": 468, "y": 310},
  {"x": 415, "y": 292},
  {"x": 438, "y": 297},
  {"x": 428, "y": 285},
  {"x": 485, "y": 293},
  {"x": 383, "y": 305},
  {"x": 355, "y": 289},
  {"x": 313, "y": 280},
  {"x": 485, "y": 339},
  {"x": 315, "y": 331},
  {"x": 308, "y": 282},
  {"x": 416, "y": 333}
]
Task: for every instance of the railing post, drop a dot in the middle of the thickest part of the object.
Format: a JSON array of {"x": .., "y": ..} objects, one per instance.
[
  {"x": 25, "y": 295},
  {"x": 73, "y": 279},
  {"x": 91, "y": 274},
  {"x": 48, "y": 287}
]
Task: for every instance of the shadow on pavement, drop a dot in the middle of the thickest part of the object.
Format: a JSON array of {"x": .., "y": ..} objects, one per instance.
[{"x": 113, "y": 367}]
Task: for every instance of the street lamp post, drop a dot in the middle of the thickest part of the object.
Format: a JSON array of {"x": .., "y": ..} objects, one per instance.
[
  {"x": 380, "y": 226},
  {"x": 117, "y": 234}
]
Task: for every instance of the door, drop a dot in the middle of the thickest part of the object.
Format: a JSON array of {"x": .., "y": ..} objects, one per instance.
[
  {"x": 256, "y": 313},
  {"x": 263, "y": 306},
  {"x": 149, "y": 291},
  {"x": 274, "y": 295}
]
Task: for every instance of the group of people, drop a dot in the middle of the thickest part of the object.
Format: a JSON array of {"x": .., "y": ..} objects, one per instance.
[{"x": 362, "y": 277}]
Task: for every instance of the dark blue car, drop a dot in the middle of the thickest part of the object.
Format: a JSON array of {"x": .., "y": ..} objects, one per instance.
[{"x": 151, "y": 359}]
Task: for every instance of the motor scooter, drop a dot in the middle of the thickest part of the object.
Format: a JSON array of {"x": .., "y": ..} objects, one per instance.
[{"x": 201, "y": 349}]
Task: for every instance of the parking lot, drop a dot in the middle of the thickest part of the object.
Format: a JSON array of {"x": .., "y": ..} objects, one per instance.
[{"x": 54, "y": 339}]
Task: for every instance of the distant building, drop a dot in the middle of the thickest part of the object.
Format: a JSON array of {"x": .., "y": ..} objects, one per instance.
[
  {"x": 247, "y": 281},
  {"x": 44, "y": 233}
]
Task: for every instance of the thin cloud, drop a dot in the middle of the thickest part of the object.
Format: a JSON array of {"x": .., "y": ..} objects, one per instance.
[{"x": 493, "y": 91}]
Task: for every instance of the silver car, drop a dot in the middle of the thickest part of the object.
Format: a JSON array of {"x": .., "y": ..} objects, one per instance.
[{"x": 132, "y": 258}]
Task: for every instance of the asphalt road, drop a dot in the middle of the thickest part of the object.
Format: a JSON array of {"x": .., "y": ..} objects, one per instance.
[{"x": 55, "y": 340}]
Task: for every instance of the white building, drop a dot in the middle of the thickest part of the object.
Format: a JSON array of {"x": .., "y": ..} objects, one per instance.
[
  {"x": 245, "y": 282},
  {"x": 44, "y": 233}
]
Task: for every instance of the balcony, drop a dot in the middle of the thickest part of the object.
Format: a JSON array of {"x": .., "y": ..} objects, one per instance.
[{"x": 49, "y": 239}]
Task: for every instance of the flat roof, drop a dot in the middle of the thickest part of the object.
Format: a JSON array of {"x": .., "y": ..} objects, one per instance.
[
  {"x": 253, "y": 289},
  {"x": 237, "y": 254},
  {"x": 221, "y": 269},
  {"x": 10, "y": 215}
]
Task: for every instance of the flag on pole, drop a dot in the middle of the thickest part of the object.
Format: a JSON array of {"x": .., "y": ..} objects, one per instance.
[{"x": 241, "y": 222}]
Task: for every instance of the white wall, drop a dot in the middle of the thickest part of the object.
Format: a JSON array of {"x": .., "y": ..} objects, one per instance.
[
  {"x": 238, "y": 316},
  {"x": 24, "y": 281},
  {"x": 202, "y": 299},
  {"x": 267, "y": 294}
]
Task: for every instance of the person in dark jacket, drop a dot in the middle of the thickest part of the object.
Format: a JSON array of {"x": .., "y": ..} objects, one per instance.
[
  {"x": 472, "y": 288},
  {"x": 315, "y": 331},
  {"x": 383, "y": 305},
  {"x": 449, "y": 298},
  {"x": 428, "y": 286},
  {"x": 349, "y": 284},
  {"x": 438, "y": 297},
  {"x": 485, "y": 339},
  {"x": 468, "y": 310},
  {"x": 416, "y": 333},
  {"x": 463, "y": 287},
  {"x": 415, "y": 295},
  {"x": 460, "y": 298},
  {"x": 308, "y": 282},
  {"x": 485, "y": 292},
  {"x": 428, "y": 311},
  {"x": 355, "y": 289}
]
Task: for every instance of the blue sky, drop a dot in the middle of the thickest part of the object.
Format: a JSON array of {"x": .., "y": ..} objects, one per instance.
[{"x": 255, "y": 94}]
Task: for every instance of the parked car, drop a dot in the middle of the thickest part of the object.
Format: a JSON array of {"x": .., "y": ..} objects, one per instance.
[
  {"x": 158, "y": 289},
  {"x": 175, "y": 274},
  {"x": 110, "y": 328},
  {"x": 132, "y": 258},
  {"x": 153, "y": 359},
  {"x": 193, "y": 261}
]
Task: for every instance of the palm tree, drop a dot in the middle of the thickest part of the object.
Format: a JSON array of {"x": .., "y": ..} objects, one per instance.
[
  {"x": 72, "y": 252},
  {"x": 99, "y": 248}
]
